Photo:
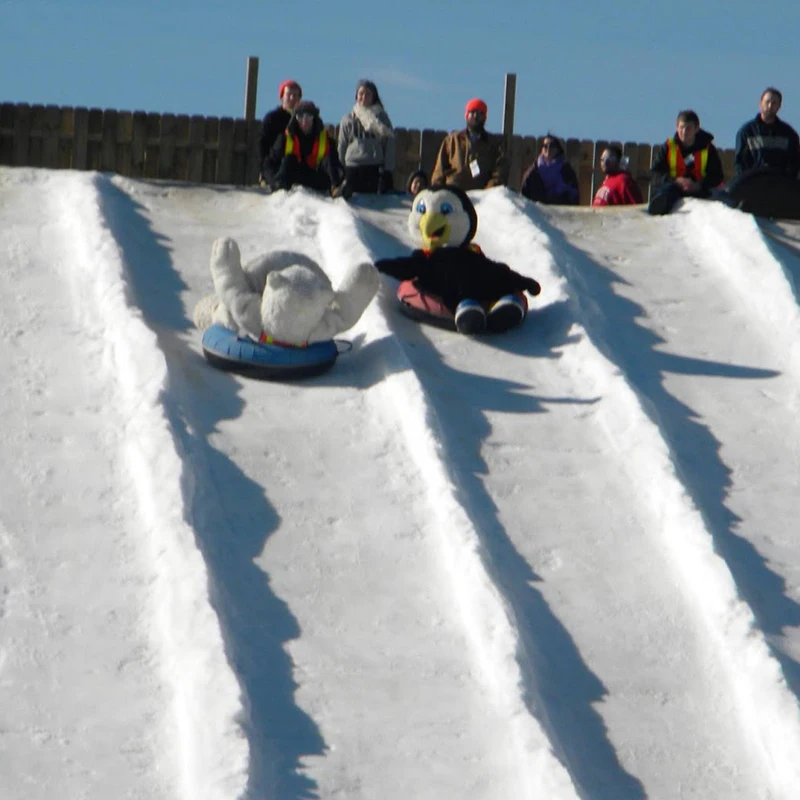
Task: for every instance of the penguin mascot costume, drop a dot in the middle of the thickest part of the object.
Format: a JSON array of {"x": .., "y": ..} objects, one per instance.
[{"x": 449, "y": 280}]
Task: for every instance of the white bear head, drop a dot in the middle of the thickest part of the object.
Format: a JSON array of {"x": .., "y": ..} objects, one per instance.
[{"x": 295, "y": 300}]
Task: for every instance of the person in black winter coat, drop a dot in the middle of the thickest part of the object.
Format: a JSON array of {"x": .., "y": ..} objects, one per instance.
[
  {"x": 767, "y": 142},
  {"x": 304, "y": 154},
  {"x": 687, "y": 165},
  {"x": 275, "y": 121}
]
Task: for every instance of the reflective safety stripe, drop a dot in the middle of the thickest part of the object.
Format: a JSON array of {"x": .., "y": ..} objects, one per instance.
[
  {"x": 318, "y": 151},
  {"x": 677, "y": 166}
]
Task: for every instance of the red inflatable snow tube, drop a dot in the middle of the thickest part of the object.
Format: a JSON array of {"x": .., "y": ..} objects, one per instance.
[{"x": 429, "y": 308}]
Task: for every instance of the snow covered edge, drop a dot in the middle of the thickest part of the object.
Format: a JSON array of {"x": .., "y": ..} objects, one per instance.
[
  {"x": 734, "y": 244},
  {"x": 212, "y": 749},
  {"x": 769, "y": 713}
]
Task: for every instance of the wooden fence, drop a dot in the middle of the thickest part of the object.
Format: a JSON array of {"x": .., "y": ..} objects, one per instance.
[{"x": 224, "y": 150}]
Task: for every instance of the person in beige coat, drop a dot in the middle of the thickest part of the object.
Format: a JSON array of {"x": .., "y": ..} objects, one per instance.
[{"x": 470, "y": 158}]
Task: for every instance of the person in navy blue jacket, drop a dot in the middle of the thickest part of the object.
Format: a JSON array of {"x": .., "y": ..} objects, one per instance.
[{"x": 767, "y": 142}]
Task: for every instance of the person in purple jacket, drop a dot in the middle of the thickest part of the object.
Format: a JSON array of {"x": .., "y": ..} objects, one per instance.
[{"x": 550, "y": 179}]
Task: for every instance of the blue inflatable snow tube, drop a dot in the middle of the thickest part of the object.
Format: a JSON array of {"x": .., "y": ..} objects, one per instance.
[{"x": 225, "y": 350}]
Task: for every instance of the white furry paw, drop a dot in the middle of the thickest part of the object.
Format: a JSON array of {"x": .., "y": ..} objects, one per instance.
[{"x": 225, "y": 252}]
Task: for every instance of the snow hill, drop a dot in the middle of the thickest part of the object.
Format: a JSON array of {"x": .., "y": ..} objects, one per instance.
[{"x": 560, "y": 563}]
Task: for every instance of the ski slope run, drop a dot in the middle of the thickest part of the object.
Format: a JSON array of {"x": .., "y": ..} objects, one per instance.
[{"x": 559, "y": 563}]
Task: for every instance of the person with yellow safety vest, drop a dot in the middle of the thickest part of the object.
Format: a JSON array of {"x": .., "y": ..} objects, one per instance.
[
  {"x": 686, "y": 165},
  {"x": 304, "y": 154}
]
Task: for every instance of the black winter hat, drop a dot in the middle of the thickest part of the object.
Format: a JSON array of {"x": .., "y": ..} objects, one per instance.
[
  {"x": 376, "y": 98},
  {"x": 418, "y": 173},
  {"x": 306, "y": 107}
]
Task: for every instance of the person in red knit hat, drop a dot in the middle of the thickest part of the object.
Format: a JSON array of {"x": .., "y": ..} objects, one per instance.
[
  {"x": 275, "y": 121},
  {"x": 470, "y": 158},
  {"x": 618, "y": 188}
]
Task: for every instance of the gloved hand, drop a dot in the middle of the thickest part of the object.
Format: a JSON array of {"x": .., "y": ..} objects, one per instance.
[{"x": 533, "y": 286}]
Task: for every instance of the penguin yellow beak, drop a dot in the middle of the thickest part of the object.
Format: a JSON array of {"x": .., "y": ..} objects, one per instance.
[{"x": 435, "y": 230}]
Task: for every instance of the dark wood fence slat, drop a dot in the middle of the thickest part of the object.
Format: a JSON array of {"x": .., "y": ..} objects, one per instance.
[
  {"x": 152, "y": 145},
  {"x": 210, "y": 148},
  {"x": 108, "y": 141},
  {"x": 642, "y": 170},
  {"x": 66, "y": 137},
  {"x": 51, "y": 134},
  {"x": 166, "y": 153},
  {"x": 253, "y": 167},
  {"x": 22, "y": 135},
  {"x": 196, "y": 146},
  {"x": 225, "y": 151},
  {"x": 239, "y": 152},
  {"x": 584, "y": 172},
  {"x": 181, "y": 160},
  {"x": 95, "y": 138},
  {"x": 430, "y": 142},
  {"x": 407, "y": 156},
  {"x": 138, "y": 143},
  {"x": 7, "y": 116},
  {"x": 528, "y": 153},
  {"x": 36, "y": 135},
  {"x": 80, "y": 141},
  {"x": 124, "y": 142}
]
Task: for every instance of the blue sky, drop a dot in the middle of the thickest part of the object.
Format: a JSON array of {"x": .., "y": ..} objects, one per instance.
[{"x": 619, "y": 69}]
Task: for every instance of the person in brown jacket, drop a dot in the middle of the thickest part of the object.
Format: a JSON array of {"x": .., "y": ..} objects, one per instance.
[{"x": 470, "y": 159}]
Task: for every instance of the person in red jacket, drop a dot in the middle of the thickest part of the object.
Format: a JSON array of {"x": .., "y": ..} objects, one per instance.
[{"x": 618, "y": 188}]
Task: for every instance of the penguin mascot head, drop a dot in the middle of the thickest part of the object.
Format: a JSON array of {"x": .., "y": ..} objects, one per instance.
[{"x": 442, "y": 217}]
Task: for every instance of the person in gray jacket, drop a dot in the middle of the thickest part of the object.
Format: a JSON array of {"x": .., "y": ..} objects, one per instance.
[{"x": 367, "y": 144}]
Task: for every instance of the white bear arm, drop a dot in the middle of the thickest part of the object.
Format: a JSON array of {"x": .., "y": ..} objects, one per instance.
[
  {"x": 233, "y": 289},
  {"x": 349, "y": 302}
]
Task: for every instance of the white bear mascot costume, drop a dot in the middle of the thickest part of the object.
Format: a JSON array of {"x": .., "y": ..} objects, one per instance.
[{"x": 283, "y": 297}]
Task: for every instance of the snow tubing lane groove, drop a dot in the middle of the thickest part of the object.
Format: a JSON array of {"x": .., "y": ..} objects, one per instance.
[{"x": 225, "y": 350}]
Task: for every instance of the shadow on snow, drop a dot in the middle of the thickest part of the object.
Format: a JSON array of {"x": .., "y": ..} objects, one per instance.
[
  {"x": 560, "y": 690},
  {"x": 695, "y": 451},
  {"x": 229, "y": 513}
]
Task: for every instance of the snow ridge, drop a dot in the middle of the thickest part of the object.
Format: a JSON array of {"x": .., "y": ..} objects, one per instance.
[
  {"x": 212, "y": 752},
  {"x": 486, "y": 616},
  {"x": 768, "y": 711},
  {"x": 733, "y": 243}
]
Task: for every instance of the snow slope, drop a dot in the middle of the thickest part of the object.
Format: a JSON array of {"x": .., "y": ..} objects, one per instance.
[{"x": 557, "y": 563}]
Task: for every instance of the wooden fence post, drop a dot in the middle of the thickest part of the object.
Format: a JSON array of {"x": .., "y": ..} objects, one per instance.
[
  {"x": 509, "y": 101},
  {"x": 251, "y": 88}
]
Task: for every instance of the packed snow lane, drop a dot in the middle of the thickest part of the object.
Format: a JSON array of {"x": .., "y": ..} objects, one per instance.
[
  {"x": 574, "y": 537},
  {"x": 332, "y": 573},
  {"x": 703, "y": 322},
  {"x": 80, "y": 691}
]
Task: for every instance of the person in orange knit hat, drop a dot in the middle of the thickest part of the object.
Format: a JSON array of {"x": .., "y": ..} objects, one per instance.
[
  {"x": 471, "y": 158},
  {"x": 275, "y": 121}
]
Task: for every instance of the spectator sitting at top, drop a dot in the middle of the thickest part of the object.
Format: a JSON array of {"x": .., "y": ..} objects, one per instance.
[
  {"x": 275, "y": 121},
  {"x": 303, "y": 154},
  {"x": 550, "y": 179},
  {"x": 470, "y": 158},
  {"x": 618, "y": 187},
  {"x": 687, "y": 165},
  {"x": 417, "y": 181},
  {"x": 367, "y": 143},
  {"x": 767, "y": 142}
]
